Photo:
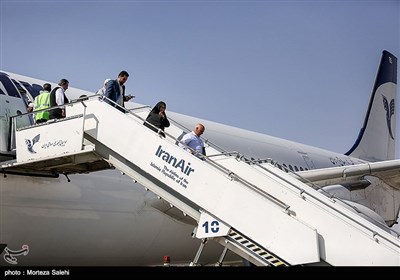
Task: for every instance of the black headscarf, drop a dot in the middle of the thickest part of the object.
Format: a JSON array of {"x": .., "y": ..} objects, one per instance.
[{"x": 156, "y": 119}]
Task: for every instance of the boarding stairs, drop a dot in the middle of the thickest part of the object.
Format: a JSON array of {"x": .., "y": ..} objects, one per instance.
[{"x": 258, "y": 211}]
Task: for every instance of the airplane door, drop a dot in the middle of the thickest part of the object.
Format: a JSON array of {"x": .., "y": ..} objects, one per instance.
[
  {"x": 11, "y": 104},
  {"x": 308, "y": 161}
]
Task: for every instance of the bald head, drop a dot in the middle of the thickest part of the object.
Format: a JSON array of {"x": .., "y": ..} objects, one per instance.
[{"x": 199, "y": 129}]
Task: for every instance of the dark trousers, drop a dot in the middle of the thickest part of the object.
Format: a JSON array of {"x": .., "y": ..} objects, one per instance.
[{"x": 41, "y": 120}]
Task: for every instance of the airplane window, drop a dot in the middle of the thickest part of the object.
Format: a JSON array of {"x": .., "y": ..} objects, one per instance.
[
  {"x": 34, "y": 89},
  {"x": 301, "y": 168},
  {"x": 23, "y": 93},
  {"x": 21, "y": 89},
  {"x": 290, "y": 167},
  {"x": 9, "y": 86},
  {"x": 2, "y": 92},
  {"x": 295, "y": 167}
]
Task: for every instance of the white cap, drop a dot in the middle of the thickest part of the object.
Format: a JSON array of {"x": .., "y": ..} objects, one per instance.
[{"x": 106, "y": 81}]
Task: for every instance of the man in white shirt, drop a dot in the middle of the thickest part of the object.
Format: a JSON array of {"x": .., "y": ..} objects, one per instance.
[
  {"x": 193, "y": 140},
  {"x": 58, "y": 98}
]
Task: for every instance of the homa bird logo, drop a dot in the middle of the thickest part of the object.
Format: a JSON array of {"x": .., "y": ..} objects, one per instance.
[
  {"x": 30, "y": 143},
  {"x": 389, "y": 108},
  {"x": 9, "y": 255}
]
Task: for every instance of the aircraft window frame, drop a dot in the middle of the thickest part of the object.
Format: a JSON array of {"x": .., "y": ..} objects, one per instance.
[
  {"x": 33, "y": 89},
  {"x": 2, "y": 88},
  {"x": 9, "y": 86},
  {"x": 19, "y": 87},
  {"x": 26, "y": 96}
]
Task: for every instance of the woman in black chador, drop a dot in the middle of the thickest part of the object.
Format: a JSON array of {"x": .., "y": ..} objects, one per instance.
[{"x": 158, "y": 118}]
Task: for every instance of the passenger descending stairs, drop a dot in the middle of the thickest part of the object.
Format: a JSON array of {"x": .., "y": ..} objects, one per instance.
[{"x": 259, "y": 212}]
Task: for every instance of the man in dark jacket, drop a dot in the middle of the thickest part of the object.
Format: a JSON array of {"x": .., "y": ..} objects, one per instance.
[{"x": 115, "y": 91}]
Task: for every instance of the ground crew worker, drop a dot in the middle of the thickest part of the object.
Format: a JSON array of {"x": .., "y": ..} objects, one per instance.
[{"x": 42, "y": 101}]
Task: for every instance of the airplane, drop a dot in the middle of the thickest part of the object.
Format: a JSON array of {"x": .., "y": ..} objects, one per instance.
[{"x": 104, "y": 218}]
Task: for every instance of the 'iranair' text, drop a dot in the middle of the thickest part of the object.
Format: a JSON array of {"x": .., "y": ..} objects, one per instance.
[{"x": 178, "y": 164}]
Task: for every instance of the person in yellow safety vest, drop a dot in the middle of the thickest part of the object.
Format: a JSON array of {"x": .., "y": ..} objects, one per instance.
[{"x": 42, "y": 101}]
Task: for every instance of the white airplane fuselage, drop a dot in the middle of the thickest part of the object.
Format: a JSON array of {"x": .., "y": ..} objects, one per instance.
[
  {"x": 105, "y": 218},
  {"x": 102, "y": 218}
]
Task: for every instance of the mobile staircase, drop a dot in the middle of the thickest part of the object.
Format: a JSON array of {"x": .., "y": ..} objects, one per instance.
[{"x": 258, "y": 211}]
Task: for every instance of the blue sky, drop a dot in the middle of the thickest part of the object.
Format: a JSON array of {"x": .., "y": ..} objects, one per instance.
[{"x": 299, "y": 70}]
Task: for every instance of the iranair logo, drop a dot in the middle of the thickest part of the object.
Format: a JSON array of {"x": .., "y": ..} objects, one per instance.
[
  {"x": 389, "y": 108},
  {"x": 30, "y": 143},
  {"x": 10, "y": 255}
]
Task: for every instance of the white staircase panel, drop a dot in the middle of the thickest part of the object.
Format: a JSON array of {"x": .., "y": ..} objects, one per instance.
[{"x": 40, "y": 141}]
